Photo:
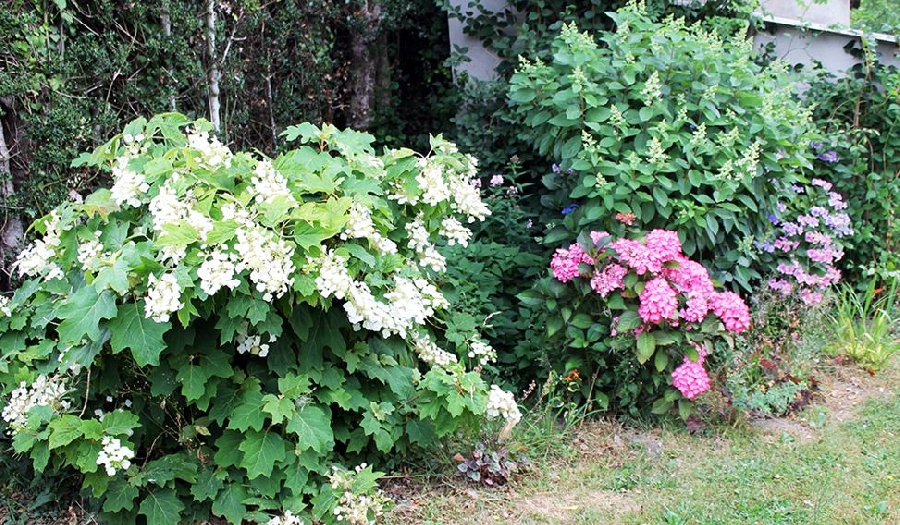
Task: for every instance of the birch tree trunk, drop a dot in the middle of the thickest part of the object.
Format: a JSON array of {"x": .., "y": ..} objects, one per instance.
[
  {"x": 11, "y": 229},
  {"x": 364, "y": 65},
  {"x": 214, "y": 74},
  {"x": 166, "y": 22}
]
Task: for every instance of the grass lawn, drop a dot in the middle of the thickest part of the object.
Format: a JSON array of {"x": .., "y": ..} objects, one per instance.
[{"x": 837, "y": 462}]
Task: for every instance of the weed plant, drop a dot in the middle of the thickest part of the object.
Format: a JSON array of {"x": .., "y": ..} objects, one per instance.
[{"x": 866, "y": 324}]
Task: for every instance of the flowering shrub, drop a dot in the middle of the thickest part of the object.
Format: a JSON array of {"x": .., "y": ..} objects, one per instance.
[
  {"x": 806, "y": 239},
  {"x": 674, "y": 124},
  {"x": 638, "y": 304},
  {"x": 217, "y": 330}
]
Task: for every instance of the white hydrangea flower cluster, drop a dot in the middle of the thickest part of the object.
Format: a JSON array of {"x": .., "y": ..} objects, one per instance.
[
  {"x": 360, "y": 226},
  {"x": 420, "y": 243},
  {"x": 212, "y": 152},
  {"x": 217, "y": 271},
  {"x": 35, "y": 260},
  {"x": 5, "y": 309},
  {"x": 252, "y": 344},
  {"x": 267, "y": 256},
  {"x": 435, "y": 189},
  {"x": 455, "y": 232},
  {"x": 333, "y": 279},
  {"x": 289, "y": 518},
  {"x": 355, "y": 508},
  {"x": 114, "y": 455},
  {"x": 169, "y": 208},
  {"x": 409, "y": 303},
  {"x": 502, "y": 404},
  {"x": 128, "y": 185},
  {"x": 430, "y": 353},
  {"x": 45, "y": 391},
  {"x": 268, "y": 184},
  {"x": 163, "y": 297},
  {"x": 90, "y": 252},
  {"x": 481, "y": 351},
  {"x": 467, "y": 199}
]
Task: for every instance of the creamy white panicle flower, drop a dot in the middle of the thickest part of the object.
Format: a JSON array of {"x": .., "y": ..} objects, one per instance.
[
  {"x": 89, "y": 253},
  {"x": 213, "y": 153},
  {"x": 408, "y": 304},
  {"x": 431, "y": 258},
  {"x": 288, "y": 519},
  {"x": 163, "y": 297},
  {"x": 360, "y": 226},
  {"x": 218, "y": 271},
  {"x": 351, "y": 507},
  {"x": 268, "y": 257},
  {"x": 45, "y": 391},
  {"x": 128, "y": 186},
  {"x": 169, "y": 208},
  {"x": 430, "y": 353},
  {"x": 419, "y": 238},
  {"x": 502, "y": 404},
  {"x": 35, "y": 260},
  {"x": 253, "y": 344},
  {"x": 114, "y": 456},
  {"x": 432, "y": 182},
  {"x": 467, "y": 199},
  {"x": 334, "y": 278},
  {"x": 5, "y": 309},
  {"x": 172, "y": 253},
  {"x": 455, "y": 232},
  {"x": 267, "y": 183},
  {"x": 481, "y": 351}
]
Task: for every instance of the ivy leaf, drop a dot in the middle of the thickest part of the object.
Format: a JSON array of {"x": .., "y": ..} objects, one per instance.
[
  {"x": 162, "y": 507},
  {"x": 143, "y": 336},
  {"x": 82, "y": 313},
  {"x": 312, "y": 424},
  {"x": 229, "y": 504},
  {"x": 261, "y": 451}
]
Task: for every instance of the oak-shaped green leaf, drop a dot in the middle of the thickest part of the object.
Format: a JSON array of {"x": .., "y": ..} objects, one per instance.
[
  {"x": 261, "y": 451},
  {"x": 82, "y": 313},
  {"x": 64, "y": 430},
  {"x": 130, "y": 329},
  {"x": 208, "y": 485},
  {"x": 280, "y": 408},
  {"x": 229, "y": 503},
  {"x": 193, "y": 380},
  {"x": 247, "y": 413},
  {"x": 161, "y": 507},
  {"x": 120, "y": 496},
  {"x": 312, "y": 424}
]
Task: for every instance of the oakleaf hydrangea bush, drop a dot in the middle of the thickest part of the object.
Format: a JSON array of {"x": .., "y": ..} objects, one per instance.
[
  {"x": 224, "y": 333},
  {"x": 638, "y": 309},
  {"x": 673, "y": 123}
]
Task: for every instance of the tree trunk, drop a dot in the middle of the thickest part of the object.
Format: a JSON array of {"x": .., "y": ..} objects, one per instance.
[
  {"x": 214, "y": 74},
  {"x": 364, "y": 65},
  {"x": 11, "y": 229},
  {"x": 166, "y": 22}
]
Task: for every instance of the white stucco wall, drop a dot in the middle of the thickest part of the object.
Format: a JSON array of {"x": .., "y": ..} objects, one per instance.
[
  {"x": 803, "y": 32},
  {"x": 827, "y": 13}
]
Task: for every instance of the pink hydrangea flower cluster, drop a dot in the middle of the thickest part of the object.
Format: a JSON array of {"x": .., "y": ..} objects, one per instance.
[
  {"x": 806, "y": 240},
  {"x": 566, "y": 260},
  {"x": 676, "y": 288},
  {"x": 690, "y": 378}
]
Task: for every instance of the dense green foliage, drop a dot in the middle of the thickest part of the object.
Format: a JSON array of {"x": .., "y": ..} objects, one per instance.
[
  {"x": 860, "y": 113},
  {"x": 673, "y": 123},
  {"x": 216, "y": 331}
]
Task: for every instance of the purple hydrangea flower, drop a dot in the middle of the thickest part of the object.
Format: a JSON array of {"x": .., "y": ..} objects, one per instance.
[
  {"x": 829, "y": 156},
  {"x": 569, "y": 209}
]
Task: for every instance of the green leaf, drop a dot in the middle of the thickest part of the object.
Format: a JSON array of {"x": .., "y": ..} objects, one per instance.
[
  {"x": 229, "y": 503},
  {"x": 82, "y": 313},
  {"x": 162, "y": 507},
  {"x": 143, "y": 336},
  {"x": 312, "y": 425},
  {"x": 120, "y": 496},
  {"x": 646, "y": 345},
  {"x": 64, "y": 430},
  {"x": 661, "y": 360},
  {"x": 261, "y": 451},
  {"x": 114, "y": 277},
  {"x": 193, "y": 379},
  {"x": 207, "y": 486},
  {"x": 280, "y": 408},
  {"x": 247, "y": 413},
  {"x": 628, "y": 320}
]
